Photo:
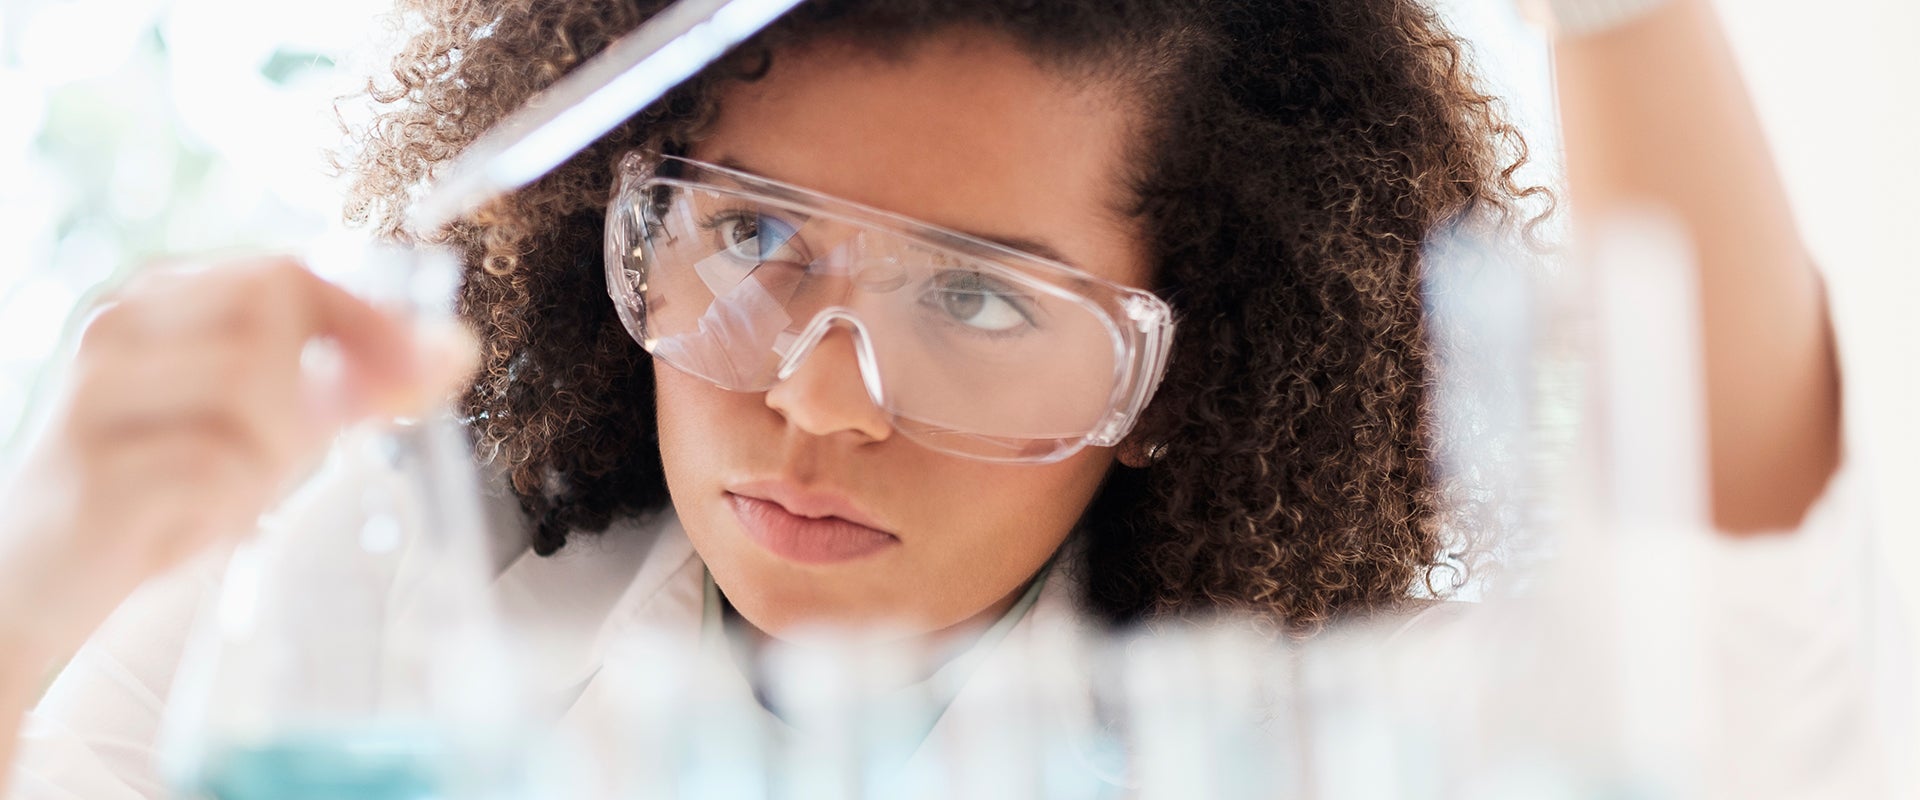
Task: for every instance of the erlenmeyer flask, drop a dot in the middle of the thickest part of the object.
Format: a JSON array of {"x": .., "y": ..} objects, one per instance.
[{"x": 354, "y": 652}]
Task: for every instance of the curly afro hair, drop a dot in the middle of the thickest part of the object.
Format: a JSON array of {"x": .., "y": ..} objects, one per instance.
[{"x": 1295, "y": 155}]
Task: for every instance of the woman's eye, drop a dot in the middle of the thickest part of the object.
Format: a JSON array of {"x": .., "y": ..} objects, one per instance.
[
  {"x": 750, "y": 236},
  {"x": 978, "y": 301},
  {"x": 739, "y": 234}
]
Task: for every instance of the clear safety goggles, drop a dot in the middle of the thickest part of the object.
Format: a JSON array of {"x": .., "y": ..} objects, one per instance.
[{"x": 971, "y": 347}]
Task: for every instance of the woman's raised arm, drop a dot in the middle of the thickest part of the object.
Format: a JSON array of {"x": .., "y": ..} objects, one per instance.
[
  {"x": 1656, "y": 116},
  {"x": 186, "y": 412}
]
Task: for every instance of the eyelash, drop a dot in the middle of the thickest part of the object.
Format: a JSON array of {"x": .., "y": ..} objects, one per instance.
[
  {"x": 1021, "y": 303},
  {"x": 713, "y": 221}
]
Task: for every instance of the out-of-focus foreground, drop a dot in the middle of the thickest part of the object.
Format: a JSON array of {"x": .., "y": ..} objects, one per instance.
[{"x": 134, "y": 128}]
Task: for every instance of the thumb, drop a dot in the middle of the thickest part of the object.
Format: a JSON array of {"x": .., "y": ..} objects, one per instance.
[
  {"x": 441, "y": 359},
  {"x": 393, "y": 367}
]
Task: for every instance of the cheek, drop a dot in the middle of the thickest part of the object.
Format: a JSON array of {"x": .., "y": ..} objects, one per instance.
[
  {"x": 698, "y": 422},
  {"x": 676, "y": 409},
  {"x": 1000, "y": 523},
  {"x": 1014, "y": 509}
]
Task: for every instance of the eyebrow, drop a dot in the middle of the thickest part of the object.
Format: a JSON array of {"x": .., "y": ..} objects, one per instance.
[{"x": 1032, "y": 247}]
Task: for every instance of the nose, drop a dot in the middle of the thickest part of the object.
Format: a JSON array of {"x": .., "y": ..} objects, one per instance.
[{"x": 826, "y": 394}]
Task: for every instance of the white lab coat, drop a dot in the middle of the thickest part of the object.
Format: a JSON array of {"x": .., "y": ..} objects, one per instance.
[
  {"x": 1810, "y": 632},
  {"x": 95, "y": 733}
]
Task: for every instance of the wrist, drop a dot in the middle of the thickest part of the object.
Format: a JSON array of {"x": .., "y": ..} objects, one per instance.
[
  {"x": 50, "y": 600},
  {"x": 28, "y": 647},
  {"x": 37, "y": 620},
  {"x": 1575, "y": 18}
]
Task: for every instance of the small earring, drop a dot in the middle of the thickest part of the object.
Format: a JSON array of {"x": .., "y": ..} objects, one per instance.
[{"x": 1140, "y": 456}]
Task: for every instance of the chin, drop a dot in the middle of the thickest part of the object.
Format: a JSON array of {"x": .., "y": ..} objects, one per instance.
[
  {"x": 781, "y": 598},
  {"x": 792, "y": 605}
]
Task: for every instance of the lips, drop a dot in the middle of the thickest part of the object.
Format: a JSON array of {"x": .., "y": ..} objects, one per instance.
[{"x": 806, "y": 527}]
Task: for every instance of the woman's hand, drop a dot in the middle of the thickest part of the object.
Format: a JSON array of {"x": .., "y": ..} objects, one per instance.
[{"x": 187, "y": 411}]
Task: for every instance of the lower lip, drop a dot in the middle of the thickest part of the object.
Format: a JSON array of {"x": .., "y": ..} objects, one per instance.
[{"x": 831, "y": 540}]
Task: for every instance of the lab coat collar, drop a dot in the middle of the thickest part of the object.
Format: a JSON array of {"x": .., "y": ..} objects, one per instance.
[
  {"x": 566, "y": 608},
  {"x": 642, "y": 579}
]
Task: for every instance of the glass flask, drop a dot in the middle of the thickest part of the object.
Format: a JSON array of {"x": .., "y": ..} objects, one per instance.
[{"x": 352, "y": 650}]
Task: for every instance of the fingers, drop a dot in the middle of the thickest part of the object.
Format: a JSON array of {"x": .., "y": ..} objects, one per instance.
[
  {"x": 120, "y": 396},
  {"x": 222, "y": 342},
  {"x": 379, "y": 354},
  {"x": 385, "y": 365},
  {"x": 391, "y": 367},
  {"x": 193, "y": 400}
]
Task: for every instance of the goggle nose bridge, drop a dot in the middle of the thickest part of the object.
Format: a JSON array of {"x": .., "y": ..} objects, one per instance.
[{"x": 809, "y": 338}]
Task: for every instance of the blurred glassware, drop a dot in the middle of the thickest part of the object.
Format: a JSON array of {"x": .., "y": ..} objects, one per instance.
[{"x": 354, "y": 652}]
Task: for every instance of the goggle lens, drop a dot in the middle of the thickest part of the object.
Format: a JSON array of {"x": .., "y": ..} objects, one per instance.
[{"x": 970, "y": 356}]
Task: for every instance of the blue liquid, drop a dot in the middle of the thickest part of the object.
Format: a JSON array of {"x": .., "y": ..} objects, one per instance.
[{"x": 360, "y": 765}]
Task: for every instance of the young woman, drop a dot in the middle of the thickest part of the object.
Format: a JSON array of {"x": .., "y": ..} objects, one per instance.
[{"x": 892, "y": 287}]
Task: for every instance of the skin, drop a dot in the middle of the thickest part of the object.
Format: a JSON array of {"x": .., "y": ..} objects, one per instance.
[
  {"x": 964, "y": 132},
  {"x": 186, "y": 410},
  {"x": 1656, "y": 115},
  {"x": 185, "y": 414}
]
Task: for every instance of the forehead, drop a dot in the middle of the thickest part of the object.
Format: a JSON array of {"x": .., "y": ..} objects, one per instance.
[{"x": 962, "y": 131}]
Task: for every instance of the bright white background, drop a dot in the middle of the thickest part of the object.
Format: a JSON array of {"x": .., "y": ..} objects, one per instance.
[{"x": 131, "y": 128}]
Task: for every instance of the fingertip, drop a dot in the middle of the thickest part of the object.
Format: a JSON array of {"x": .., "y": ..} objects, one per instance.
[
  {"x": 447, "y": 354},
  {"x": 442, "y": 356}
]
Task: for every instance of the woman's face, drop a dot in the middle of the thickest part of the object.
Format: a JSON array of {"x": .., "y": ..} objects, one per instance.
[{"x": 966, "y": 132}]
